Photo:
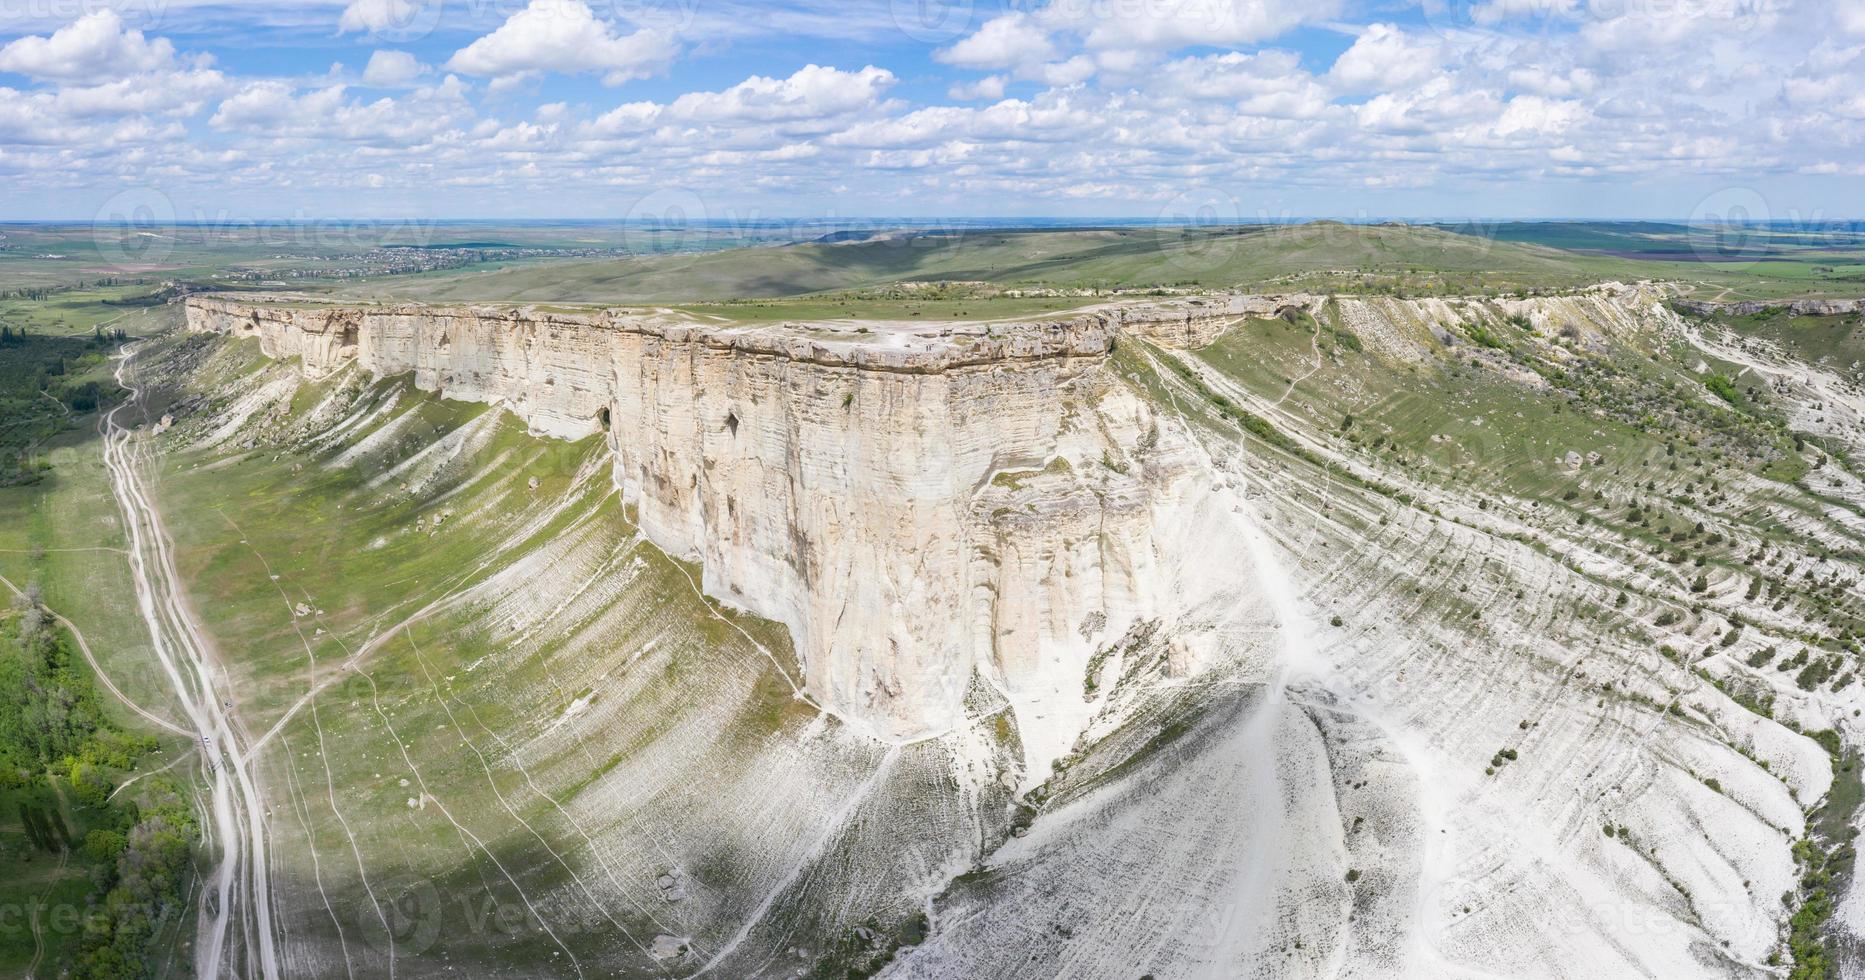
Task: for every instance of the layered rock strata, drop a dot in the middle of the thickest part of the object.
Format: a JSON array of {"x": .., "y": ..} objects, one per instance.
[
  {"x": 1799, "y": 307},
  {"x": 924, "y": 506}
]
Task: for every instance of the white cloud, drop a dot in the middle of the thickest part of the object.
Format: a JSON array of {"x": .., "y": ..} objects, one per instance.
[
  {"x": 1533, "y": 114},
  {"x": 757, "y": 113},
  {"x": 1003, "y": 42},
  {"x": 1435, "y": 107},
  {"x": 1054, "y": 117},
  {"x": 95, "y": 46},
  {"x": 565, "y": 36},
  {"x": 1383, "y": 58},
  {"x": 1122, "y": 38},
  {"x": 276, "y": 108},
  {"x": 258, "y": 104},
  {"x": 1107, "y": 102},
  {"x": 180, "y": 93},
  {"x": 989, "y": 87},
  {"x": 1540, "y": 81},
  {"x": 1164, "y": 24},
  {"x": 1637, "y": 27},
  {"x": 813, "y": 92},
  {"x": 389, "y": 69},
  {"x": 41, "y": 119},
  {"x": 1267, "y": 83},
  {"x": 1849, "y": 15},
  {"x": 625, "y": 119},
  {"x": 1065, "y": 73}
]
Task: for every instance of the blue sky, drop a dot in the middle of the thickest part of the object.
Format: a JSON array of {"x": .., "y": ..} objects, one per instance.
[{"x": 1207, "y": 109}]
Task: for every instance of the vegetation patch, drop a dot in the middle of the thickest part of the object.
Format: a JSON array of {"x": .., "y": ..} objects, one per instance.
[
  {"x": 102, "y": 881},
  {"x": 47, "y": 384},
  {"x": 1826, "y": 857}
]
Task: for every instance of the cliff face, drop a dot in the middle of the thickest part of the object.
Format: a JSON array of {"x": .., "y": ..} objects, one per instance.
[
  {"x": 325, "y": 337},
  {"x": 1800, "y": 307},
  {"x": 956, "y": 519},
  {"x": 923, "y": 507},
  {"x": 932, "y": 509}
]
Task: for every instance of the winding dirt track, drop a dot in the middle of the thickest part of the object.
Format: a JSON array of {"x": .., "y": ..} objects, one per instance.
[
  {"x": 84, "y": 647},
  {"x": 241, "y": 886}
]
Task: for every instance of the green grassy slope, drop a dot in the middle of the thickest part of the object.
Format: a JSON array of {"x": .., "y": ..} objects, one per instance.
[
  {"x": 1320, "y": 255},
  {"x": 505, "y": 709}
]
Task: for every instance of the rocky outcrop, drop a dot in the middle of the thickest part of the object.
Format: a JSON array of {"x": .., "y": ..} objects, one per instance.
[
  {"x": 1798, "y": 307},
  {"x": 1199, "y": 321},
  {"x": 325, "y": 337},
  {"x": 924, "y": 506}
]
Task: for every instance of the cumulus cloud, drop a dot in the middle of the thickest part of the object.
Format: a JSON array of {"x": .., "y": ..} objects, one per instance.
[
  {"x": 265, "y": 103},
  {"x": 1054, "y": 117},
  {"x": 813, "y": 92},
  {"x": 95, "y": 46},
  {"x": 44, "y": 120},
  {"x": 1034, "y": 105},
  {"x": 1384, "y": 57},
  {"x": 1539, "y": 81},
  {"x": 389, "y": 69},
  {"x": 1533, "y": 114},
  {"x": 1439, "y": 106},
  {"x": 176, "y": 93},
  {"x": 759, "y": 112},
  {"x": 565, "y": 36},
  {"x": 1634, "y": 27},
  {"x": 1121, "y": 38},
  {"x": 1003, "y": 42},
  {"x": 989, "y": 87},
  {"x": 277, "y": 108},
  {"x": 1268, "y": 83},
  {"x": 1164, "y": 24},
  {"x": 623, "y": 120}
]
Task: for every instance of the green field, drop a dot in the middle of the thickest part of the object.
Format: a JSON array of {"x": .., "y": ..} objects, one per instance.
[{"x": 1318, "y": 256}]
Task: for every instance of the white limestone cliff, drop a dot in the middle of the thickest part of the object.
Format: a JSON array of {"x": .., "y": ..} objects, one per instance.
[
  {"x": 961, "y": 515},
  {"x": 923, "y": 506}
]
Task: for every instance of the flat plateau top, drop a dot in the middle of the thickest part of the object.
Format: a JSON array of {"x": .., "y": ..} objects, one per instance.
[{"x": 883, "y": 344}]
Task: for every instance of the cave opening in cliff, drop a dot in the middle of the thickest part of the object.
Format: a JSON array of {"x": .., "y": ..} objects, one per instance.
[
  {"x": 602, "y": 417},
  {"x": 349, "y": 336},
  {"x": 731, "y": 422}
]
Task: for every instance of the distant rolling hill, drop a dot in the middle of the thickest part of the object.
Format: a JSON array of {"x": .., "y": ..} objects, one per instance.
[{"x": 1095, "y": 257}]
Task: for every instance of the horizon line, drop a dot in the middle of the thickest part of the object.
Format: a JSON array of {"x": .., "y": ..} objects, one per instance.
[{"x": 1087, "y": 221}]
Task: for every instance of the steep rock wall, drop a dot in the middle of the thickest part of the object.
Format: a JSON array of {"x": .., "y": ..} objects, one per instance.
[
  {"x": 1799, "y": 307},
  {"x": 324, "y": 337},
  {"x": 1199, "y": 321},
  {"x": 924, "y": 508}
]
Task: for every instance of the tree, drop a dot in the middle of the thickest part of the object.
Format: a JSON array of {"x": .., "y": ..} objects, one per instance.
[{"x": 103, "y": 846}]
